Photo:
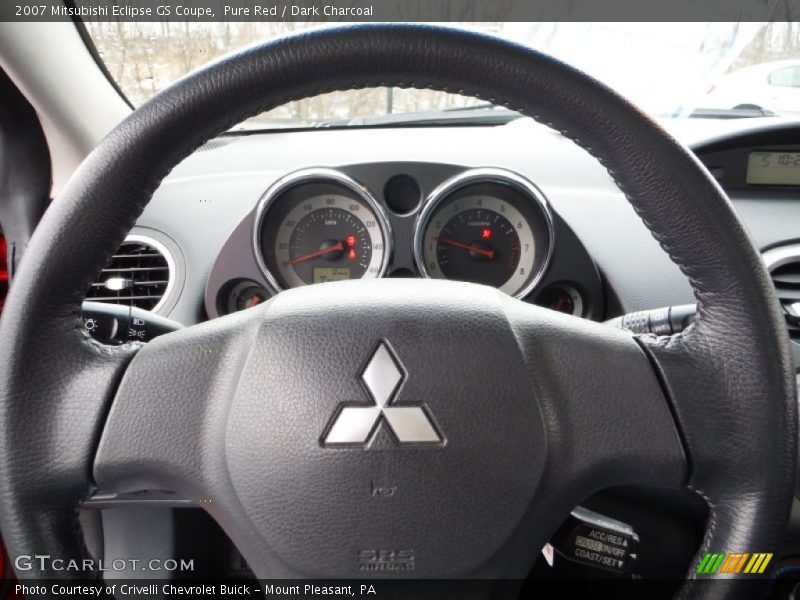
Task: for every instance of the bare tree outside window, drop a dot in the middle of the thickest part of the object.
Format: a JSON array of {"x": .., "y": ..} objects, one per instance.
[
  {"x": 144, "y": 58},
  {"x": 668, "y": 69}
]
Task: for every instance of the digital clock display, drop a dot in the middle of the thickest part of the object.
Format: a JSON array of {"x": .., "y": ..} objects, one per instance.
[{"x": 773, "y": 168}]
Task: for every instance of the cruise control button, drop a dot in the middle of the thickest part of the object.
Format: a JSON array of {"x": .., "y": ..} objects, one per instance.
[{"x": 598, "y": 541}]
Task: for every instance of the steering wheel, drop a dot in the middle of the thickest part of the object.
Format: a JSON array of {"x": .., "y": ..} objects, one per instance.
[{"x": 512, "y": 414}]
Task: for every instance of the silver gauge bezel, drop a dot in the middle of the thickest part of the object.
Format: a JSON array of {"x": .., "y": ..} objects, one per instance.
[
  {"x": 578, "y": 303},
  {"x": 316, "y": 175},
  {"x": 486, "y": 175}
]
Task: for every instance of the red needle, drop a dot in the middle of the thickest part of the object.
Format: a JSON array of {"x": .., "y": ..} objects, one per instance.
[
  {"x": 334, "y": 248},
  {"x": 253, "y": 301},
  {"x": 487, "y": 253}
]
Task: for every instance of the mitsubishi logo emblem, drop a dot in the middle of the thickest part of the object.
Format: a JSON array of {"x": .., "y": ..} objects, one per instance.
[{"x": 354, "y": 424}]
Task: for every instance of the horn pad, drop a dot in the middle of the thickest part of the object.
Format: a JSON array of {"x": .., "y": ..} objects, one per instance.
[{"x": 400, "y": 435}]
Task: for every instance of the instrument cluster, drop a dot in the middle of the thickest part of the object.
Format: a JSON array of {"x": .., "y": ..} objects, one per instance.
[{"x": 485, "y": 225}]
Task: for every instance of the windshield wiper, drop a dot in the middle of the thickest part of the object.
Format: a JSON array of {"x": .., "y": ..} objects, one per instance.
[
  {"x": 731, "y": 113},
  {"x": 482, "y": 114}
]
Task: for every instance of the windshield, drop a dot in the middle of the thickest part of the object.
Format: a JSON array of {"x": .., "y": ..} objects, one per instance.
[{"x": 716, "y": 70}]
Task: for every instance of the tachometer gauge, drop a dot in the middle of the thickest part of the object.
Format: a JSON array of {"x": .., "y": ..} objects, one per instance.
[
  {"x": 485, "y": 226},
  {"x": 319, "y": 225}
]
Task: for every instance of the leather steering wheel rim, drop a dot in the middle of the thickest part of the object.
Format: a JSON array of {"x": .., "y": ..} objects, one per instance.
[{"x": 729, "y": 377}]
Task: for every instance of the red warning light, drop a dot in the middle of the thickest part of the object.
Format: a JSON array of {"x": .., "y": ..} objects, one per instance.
[
  {"x": 350, "y": 241},
  {"x": 486, "y": 234},
  {"x": 352, "y": 254}
]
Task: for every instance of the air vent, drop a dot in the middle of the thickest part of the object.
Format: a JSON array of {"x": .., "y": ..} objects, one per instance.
[
  {"x": 787, "y": 277},
  {"x": 783, "y": 264},
  {"x": 139, "y": 275}
]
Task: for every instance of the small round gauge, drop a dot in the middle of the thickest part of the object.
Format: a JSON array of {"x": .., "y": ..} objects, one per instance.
[
  {"x": 317, "y": 226},
  {"x": 485, "y": 226},
  {"x": 562, "y": 298},
  {"x": 243, "y": 295}
]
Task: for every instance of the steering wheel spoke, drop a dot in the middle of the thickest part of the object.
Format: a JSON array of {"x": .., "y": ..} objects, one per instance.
[
  {"x": 607, "y": 419},
  {"x": 166, "y": 426}
]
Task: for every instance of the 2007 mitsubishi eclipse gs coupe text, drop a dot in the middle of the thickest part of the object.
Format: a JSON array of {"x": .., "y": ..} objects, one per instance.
[{"x": 406, "y": 304}]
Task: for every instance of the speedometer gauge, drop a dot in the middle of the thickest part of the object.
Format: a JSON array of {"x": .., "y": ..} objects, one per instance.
[
  {"x": 318, "y": 225},
  {"x": 486, "y": 226},
  {"x": 319, "y": 242}
]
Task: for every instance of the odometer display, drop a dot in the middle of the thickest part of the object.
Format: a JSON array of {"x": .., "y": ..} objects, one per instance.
[
  {"x": 484, "y": 228},
  {"x": 323, "y": 274}
]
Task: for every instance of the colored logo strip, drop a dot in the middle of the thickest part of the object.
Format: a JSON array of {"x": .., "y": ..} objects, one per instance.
[{"x": 734, "y": 563}]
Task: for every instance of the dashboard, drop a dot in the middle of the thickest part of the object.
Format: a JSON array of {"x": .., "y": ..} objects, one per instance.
[{"x": 517, "y": 207}]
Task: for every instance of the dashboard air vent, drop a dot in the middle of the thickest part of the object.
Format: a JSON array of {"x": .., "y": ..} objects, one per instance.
[
  {"x": 783, "y": 264},
  {"x": 787, "y": 277},
  {"x": 139, "y": 275}
]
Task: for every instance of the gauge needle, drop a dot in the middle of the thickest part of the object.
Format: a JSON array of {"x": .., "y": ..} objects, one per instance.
[
  {"x": 487, "y": 253},
  {"x": 338, "y": 246}
]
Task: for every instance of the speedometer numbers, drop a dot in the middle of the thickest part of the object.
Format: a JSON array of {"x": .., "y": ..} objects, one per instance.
[
  {"x": 317, "y": 226},
  {"x": 326, "y": 239},
  {"x": 485, "y": 226}
]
